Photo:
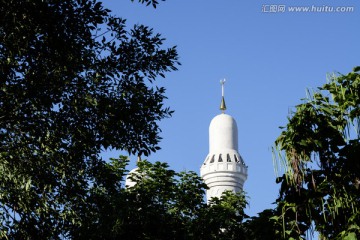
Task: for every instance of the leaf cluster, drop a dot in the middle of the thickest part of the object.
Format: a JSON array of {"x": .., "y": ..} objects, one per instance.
[
  {"x": 154, "y": 3},
  {"x": 321, "y": 149}
]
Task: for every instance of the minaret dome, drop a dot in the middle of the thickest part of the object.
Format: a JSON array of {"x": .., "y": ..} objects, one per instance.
[{"x": 223, "y": 133}]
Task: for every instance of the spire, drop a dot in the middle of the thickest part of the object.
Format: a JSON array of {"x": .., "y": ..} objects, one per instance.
[{"x": 222, "y": 104}]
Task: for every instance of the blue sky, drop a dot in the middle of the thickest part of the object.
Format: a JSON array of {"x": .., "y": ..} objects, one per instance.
[{"x": 269, "y": 59}]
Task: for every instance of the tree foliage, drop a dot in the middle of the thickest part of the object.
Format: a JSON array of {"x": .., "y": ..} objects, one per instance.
[
  {"x": 163, "y": 204},
  {"x": 74, "y": 80},
  {"x": 154, "y": 3},
  {"x": 265, "y": 226},
  {"x": 320, "y": 150}
]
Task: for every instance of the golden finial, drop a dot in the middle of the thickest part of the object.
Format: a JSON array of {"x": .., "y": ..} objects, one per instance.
[{"x": 222, "y": 104}]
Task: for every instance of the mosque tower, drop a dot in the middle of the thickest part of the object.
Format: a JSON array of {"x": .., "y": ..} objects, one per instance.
[{"x": 223, "y": 168}]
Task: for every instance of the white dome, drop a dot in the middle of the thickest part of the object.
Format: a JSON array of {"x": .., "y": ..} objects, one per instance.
[
  {"x": 223, "y": 133},
  {"x": 129, "y": 182}
]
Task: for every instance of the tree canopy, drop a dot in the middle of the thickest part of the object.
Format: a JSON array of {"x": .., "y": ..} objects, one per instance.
[
  {"x": 74, "y": 80},
  {"x": 164, "y": 204},
  {"x": 320, "y": 151}
]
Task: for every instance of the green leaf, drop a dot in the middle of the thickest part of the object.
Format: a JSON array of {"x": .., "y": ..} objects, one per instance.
[{"x": 350, "y": 236}]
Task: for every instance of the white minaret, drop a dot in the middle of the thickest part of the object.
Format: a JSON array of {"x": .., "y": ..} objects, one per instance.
[{"x": 223, "y": 169}]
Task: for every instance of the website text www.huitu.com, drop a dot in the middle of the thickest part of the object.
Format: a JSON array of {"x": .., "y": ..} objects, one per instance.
[{"x": 280, "y": 8}]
